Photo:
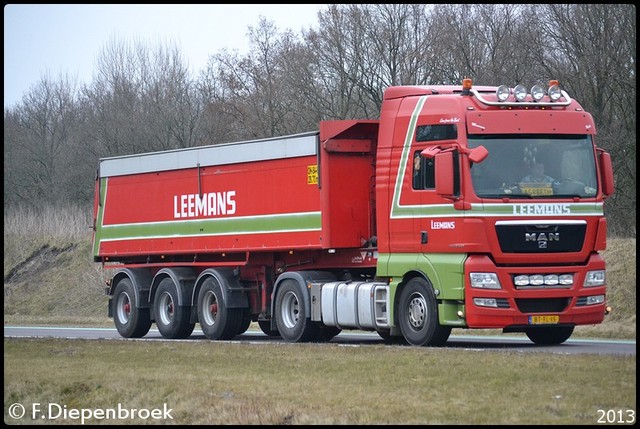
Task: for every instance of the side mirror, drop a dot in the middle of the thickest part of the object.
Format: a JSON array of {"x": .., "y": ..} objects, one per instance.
[
  {"x": 444, "y": 174},
  {"x": 606, "y": 171}
]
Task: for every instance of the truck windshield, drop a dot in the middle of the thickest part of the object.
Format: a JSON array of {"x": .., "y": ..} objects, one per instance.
[{"x": 535, "y": 166}]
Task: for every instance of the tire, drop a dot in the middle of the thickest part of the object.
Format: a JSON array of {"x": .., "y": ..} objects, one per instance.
[
  {"x": 216, "y": 320},
  {"x": 172, "y": 319},
  {"x": 246, "y": 321},
  {"x": 131, "y": 321},
  {"x": 418, "y": 315},
  {"x": 265, "y": 326},
  {"x": 548, "y": 336},
  {"x": 291, "y": 316}
]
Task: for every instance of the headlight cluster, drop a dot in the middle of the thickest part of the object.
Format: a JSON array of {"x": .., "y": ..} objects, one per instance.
[
  {"x": 543, "y": 280},
  {"x": 491, "y": 281}
]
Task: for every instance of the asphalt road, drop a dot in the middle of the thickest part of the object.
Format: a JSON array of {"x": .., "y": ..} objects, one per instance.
[{"x": 349, "y": 338}]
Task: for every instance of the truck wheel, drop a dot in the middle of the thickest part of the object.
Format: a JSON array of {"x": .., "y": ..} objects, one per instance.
[
  {"x": 418, "y": 315},
  {"x": 172, "y": 319},
  {"x": 265, "y": 326},
  {"x": 246, "y": 321},
  {"x": 291, "y": 318},
  {"x": 130, "y": 320},
  {"x": 216, "y": 320},
  {"x": 549, "y": 336}
]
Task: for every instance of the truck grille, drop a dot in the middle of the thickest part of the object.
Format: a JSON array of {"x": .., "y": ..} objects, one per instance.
[{"x": 516, "y": 237}]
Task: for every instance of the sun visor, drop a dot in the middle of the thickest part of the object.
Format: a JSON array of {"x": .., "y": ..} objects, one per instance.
[{"x": 530, "y": 122}]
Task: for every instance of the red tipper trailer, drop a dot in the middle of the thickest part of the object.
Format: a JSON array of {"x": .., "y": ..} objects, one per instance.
[{"x": 409, "y": 225}]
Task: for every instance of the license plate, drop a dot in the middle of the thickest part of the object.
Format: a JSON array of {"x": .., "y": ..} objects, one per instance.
[{"x": 543, "y": 320}]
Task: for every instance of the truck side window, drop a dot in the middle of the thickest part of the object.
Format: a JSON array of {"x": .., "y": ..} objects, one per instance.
[
  {"x": 423, "y": 172},
  {"x": 429, "y": 133}
]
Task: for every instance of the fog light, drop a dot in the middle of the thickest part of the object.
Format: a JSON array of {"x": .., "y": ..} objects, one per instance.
[
  {"x": 485, "y": 302},
  {"x": 596, "y": 299}
]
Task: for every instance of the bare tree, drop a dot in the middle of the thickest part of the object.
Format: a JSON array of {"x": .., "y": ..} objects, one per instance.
[
  {"x": 141, "y": 100},
  {"x": 42, "y": 125},
  {"x": 595, "y": 58}
]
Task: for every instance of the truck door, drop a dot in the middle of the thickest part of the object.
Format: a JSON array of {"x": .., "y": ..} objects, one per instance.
[{"x": 417, "y": 211}]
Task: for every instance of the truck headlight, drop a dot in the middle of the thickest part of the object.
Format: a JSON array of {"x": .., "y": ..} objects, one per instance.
[
  {"x": 485, "y": 281},
  {"x": 594, "y": 278}
]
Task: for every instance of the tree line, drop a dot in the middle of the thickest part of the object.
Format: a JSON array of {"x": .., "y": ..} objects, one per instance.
[{"x": 143, "y": 97}]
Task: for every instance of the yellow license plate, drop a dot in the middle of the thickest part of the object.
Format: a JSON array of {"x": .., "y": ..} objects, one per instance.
[
  {"x": 543, "y": 320},
  {"x": 538, "y": 190}
]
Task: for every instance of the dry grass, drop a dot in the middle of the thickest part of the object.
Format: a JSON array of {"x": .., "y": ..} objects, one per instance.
[{"x": 269, "y": 384}]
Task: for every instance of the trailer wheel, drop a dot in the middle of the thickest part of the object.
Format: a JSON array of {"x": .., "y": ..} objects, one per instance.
[
  {"x": 172, "y": 319},
  {"x": 216, "y": 320},
  {"x": 246, "y": 321},
  {"x": 291, "y": 318},
  {"x": 131, "y": 321},
  {"x": 265, "y": 326},
  {"x": 418, "y": 315},
  {"x": 548, "y": 336}
]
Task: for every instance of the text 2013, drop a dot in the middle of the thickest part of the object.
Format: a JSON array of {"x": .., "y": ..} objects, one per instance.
[{"x": 616, "y": 416}]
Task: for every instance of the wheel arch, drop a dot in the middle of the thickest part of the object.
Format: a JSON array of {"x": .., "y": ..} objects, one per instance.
[
  {"x": 302, "y": 278},
  {"x": 182, "y": 277},
  {"x": 409, "y": 275},
  {"x": 232, "y": 292},
  {"x": 141, "y": 280}
]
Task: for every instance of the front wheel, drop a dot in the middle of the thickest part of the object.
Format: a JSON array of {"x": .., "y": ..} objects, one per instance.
[
  {"x": 548, "y": 336},
  {"x": 418, "y": 315},
  {"x": 131, "y": 321}
]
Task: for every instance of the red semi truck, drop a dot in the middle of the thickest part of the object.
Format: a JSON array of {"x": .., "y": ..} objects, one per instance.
[{"x": 424, "y": 220}]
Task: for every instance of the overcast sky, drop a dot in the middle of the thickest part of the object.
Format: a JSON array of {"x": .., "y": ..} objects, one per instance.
[{"x": 50, "y": 39}]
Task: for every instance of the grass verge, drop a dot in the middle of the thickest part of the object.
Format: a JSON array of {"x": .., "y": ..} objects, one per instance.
[{"x": 225, "y": 383}]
